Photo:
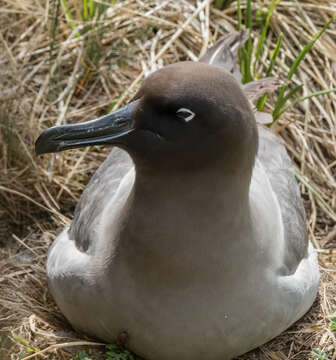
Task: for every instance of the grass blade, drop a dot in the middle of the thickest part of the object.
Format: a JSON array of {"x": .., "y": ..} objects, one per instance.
[
  {"x": 261, "y": 102},
  {"x": 85, "y": 10},
  {"x": 309, "y": 96},
  {"x": 274, "y": 55},
  {"x": 248, "y": 15},
  {"x": 54, "y": 14},
  {"x": 281, "y": 101},
  {"x": 239, "y": 15},
  {"x": 326, "y": 206},
  {"x": 69, "y": 16},
  {"x": 222, "y": 4},
  {"x": 91, "y": 8},
  {"x": 294, "y": 67},
  {"x": 321, "y": 355},
  {"x": 262, "y": 38},
  {"x": 307, "y": 48},
  {"x": 247, "y": 54}
]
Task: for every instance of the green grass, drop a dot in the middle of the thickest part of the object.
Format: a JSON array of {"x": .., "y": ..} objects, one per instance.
[
  {"x": 113, "y": 352},
  {"x": 320, "y": 355},
  {"x": 333, "y": 325},
  {"x": 90, "y": 12},
  {"x": 84, "y": 18},
  {"x": 245, "y": 53},
  {"x": 29, "y": 348},
  {"x": 222, "y": 4},
  {"x": 265, "y": 27},
  {"x": 283, "y": 95},
  {"x": 81, "y": 355},
  {"x": 287, "y": 94}
]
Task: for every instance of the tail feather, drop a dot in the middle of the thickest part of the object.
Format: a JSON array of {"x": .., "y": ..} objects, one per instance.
[
  {"x": 254, "y": 89},
  {"x": 224, "y": 52}
]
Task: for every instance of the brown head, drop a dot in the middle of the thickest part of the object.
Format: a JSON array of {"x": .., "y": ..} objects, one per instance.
[{"x": 185, "y": 116}]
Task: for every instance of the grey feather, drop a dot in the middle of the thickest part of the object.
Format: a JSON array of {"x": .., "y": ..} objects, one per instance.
[
  {"x": 224, "y": 52},
  {"x": 278, "y": 166},
  {"x": 255, "y": 89},
  {"x": 96, "y": 195}
]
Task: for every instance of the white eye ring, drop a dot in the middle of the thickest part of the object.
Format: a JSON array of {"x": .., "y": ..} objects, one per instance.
[{"x": 185, "y": 114}]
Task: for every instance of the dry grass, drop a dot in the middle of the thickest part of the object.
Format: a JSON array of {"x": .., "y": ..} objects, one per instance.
[{"x": 51, "y": 75}]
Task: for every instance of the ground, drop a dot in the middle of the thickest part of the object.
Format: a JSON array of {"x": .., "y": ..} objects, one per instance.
[{"x": 67, "y": 62}]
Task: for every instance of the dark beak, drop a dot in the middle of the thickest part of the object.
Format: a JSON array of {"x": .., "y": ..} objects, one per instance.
[{"x": 108, "y": 129}]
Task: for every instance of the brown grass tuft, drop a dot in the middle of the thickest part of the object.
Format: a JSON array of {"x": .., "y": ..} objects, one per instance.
[{"x": 49, "y": 75}]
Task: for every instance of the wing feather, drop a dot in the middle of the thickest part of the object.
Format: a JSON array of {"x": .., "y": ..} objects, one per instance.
[{"x": 96, "y": 196}]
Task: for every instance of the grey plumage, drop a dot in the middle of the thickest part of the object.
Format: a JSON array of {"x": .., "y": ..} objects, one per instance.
[{"x": 201, "y": 242}]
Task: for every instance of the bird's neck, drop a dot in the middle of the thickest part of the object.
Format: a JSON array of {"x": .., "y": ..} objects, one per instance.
[
  {"x": 175, "y": 221},
  {"x": 200, "y": 191}
]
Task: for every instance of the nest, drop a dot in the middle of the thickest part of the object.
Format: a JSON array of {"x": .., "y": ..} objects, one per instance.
[{"x": 57, "y": 68}]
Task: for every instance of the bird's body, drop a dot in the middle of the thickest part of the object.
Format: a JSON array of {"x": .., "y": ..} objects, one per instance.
[{"x": 194, "y": 257}]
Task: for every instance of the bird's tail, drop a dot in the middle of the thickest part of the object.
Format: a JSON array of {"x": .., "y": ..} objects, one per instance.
[{"x": 224, "y": 53}]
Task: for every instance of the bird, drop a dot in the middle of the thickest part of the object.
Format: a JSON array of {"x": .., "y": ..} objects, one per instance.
[{"x": 189, "y": 242}]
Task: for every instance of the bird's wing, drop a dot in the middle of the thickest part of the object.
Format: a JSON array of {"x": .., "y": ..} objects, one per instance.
[
  {"x": 96, "y": 195},
  {"x": 255, "y": 89},
  {"x": 274, "y": 158},
  {"x": 224, "y": 52}
]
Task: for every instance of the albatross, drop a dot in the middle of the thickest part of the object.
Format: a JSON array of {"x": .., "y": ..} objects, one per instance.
[{"x": 190, "y": 241}]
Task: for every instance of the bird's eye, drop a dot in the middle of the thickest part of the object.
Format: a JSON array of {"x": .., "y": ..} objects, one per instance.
[{"x": 185, "y": 114}]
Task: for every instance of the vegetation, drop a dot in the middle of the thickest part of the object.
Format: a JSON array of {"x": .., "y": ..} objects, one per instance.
[
  {"x": 113, "y": 352},
  {"x": 320, "y": 355},
  {"x": 72, "y": 61},
  {"x": 286, "y": 97}
]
